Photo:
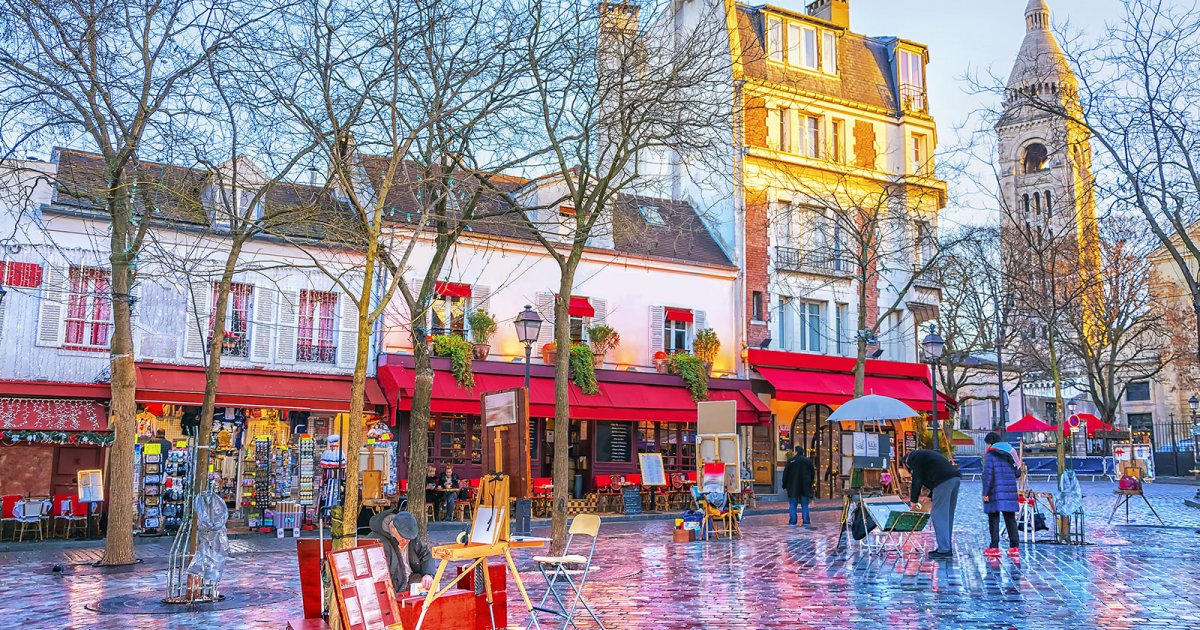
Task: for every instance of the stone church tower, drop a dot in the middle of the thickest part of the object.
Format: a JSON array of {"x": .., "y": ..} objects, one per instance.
[{"x": 1045, "y": 159}]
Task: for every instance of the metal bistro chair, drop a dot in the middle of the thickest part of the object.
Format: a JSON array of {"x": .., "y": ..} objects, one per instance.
[
  {"x": 74, "y": 516},
  {"x": 554, "y": 567},
  {"x": 7, "y": 515}
]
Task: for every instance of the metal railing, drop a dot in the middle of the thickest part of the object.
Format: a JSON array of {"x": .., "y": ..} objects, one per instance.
[
  {"x": 316, "y": 353},
  {"x": 833, "y": 264},
  {"x": 912, "y": 98}
]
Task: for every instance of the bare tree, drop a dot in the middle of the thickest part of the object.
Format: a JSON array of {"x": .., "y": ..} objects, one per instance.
[
  {"x": 409, "y": 110},
  {"x": 105, "y": 72},
  {"x": 615, "y": 84}
]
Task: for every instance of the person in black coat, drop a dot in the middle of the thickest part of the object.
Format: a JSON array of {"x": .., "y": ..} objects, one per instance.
[
  {"x": 932, "y": 470},
  {"x": 798, "y": 478},
  {"x": 409, "y": 558}
]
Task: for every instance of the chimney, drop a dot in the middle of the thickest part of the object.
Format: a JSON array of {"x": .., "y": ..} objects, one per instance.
[{"x": 836, "y": 11}]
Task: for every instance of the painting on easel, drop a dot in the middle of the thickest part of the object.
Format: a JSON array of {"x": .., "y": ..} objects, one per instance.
[{"x": 505, "y": 442}]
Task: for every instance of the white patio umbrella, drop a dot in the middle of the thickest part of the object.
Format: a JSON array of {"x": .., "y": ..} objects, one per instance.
[{"x": 873, "y": 408}]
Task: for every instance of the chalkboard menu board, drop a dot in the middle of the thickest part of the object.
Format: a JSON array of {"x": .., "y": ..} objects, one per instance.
[
  {"x": 910, "y": 441},
  {"x": 632, "y": 499},
  {"x": 614, "y": 441}
]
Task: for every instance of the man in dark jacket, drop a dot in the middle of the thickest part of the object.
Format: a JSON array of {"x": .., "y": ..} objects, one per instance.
[
  {"x": 410, "y": 560},
  {"x": 798, "y": 478},
  {"x": 932, "y": 470}
]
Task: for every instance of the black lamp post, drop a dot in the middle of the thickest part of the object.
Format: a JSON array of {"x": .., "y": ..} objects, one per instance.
[
  {"x": 1001, "y": 323},
  {"x": 528, "y": 324},
  {"x": 933, "y": 345}
]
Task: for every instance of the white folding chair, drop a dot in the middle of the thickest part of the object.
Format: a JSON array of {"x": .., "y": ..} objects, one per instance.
[
  {"x": 581, "y": 525},
  {"x": 29, "y": 517}
]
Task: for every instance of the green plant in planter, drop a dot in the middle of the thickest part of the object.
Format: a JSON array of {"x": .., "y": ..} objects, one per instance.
[
  {"x": 706, "y": 345},
  {"x": 483, "y": 326},
  {"x": 692, "y": 369},
  {"x": 583, "y": 371},
  {"x": 603, "y": 338},
  {"x": 458, "y": 350}
]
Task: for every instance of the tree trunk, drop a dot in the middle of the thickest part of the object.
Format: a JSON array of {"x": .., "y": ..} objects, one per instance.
[
  {"x": 562, "y": 411},
  {"x": 118, "y": 539},
  {"x": 1064, "y": 522},
  {"x": 418, "y": 428},
  {"x": 352, "y": 433},
  {"x": 860, "y": 362}
]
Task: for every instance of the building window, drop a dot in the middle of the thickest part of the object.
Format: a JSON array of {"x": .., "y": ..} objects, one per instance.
[
  {"x": 1036, "y": 158},
  {"x": 677, "y": 330},
  {"x": 89, "y": 309},
  {"x": 809, "y": 52},
  {"x": 1047, "y": 203},
  {"x": 843, "y": 331},
  {"x": 1138, "y": 391},
  {"x": 837, "y": 140},
  {"x": 314, "y": 339},
  {"x": 812, "y": 327},
  {"x": 793, "y": 47},
  {"x": 237, "y": 319},
  {"x": 1025, "y": 202},
  {"x": 448, "y": 313},
  {"x": 757, "y": 312},
  {"x": 775, "y": 38},
  {"x": 785, "y": 129},
  {"x": 812, "y": 136},
  {"x": 652, "y": 215},
  {"x": 912, "y": 80},
  {"x": 926, "y": 246},
  {"x": 920, "y": 154},
  {"x": 453, "y": 440},
  {"x": 828, "y": 52}
]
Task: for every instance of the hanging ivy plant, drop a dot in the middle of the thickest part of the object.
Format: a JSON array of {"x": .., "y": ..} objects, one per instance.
[
  {"x": 458, "y": 350},
  {"x": 583, "y": 371},
  {"x": 692, "y": 370}
]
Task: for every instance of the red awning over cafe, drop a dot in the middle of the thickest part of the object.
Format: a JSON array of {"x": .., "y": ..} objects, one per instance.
[
  {"x": 623, "y": 395},
  {"x": 580, "y": 307},
  {"x": 184, "y": 385},
  {"x": 818, "y": 379}
]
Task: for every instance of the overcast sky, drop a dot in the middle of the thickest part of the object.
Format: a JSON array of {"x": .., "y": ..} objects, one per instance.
[{"x": 964, "y": 36}]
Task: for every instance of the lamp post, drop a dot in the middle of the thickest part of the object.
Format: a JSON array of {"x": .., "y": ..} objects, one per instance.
[
  {"x": 933, "y": 345},
  {"x": 1001, "y": 323},
  {"x": 1194, "y": 403},
  {"x": 528, "y": 324}
]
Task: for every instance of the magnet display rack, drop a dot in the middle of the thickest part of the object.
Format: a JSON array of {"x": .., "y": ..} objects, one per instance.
[
  {"x": 256, "y": 483},
  {"x": 151, "y": 491},
  {"x": 176, "y": 469},
  {"x": 305, "y": 486}
]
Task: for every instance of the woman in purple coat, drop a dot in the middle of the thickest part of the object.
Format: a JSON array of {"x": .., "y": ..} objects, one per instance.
[{"x": 1000, "y": 494}]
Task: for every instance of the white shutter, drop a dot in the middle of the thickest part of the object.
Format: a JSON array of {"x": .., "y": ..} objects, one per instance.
[
  {"x": 261, "y": 329},
  {"x": 52, "y": 325},
  {"x": 285, "y": 349},
  {"x": 348, "y": 337},
  {"x": 699, "y": 322},
  {"x": 420, "y": 318},
  {"x": 600, "y": 305},
  {"x": 481, "y": 297},
  {"x": 545, "y": 308},
  {"x": 199, "y": 307},
  {"x": 657, "y": 321}
]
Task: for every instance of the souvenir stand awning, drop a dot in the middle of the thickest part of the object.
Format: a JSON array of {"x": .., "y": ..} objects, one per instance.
[{"x": 184, "y": 385}]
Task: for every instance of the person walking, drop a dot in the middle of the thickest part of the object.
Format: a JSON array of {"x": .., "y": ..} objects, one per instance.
[
  {"x": 798, "y": 478},
  {"x": 932, "y": 470},
  {"x": 1000, "y": 494}
]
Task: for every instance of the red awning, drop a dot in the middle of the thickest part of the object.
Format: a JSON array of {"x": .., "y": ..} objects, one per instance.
[
  {"x": 52, "y": 414},
  {"x": 1029, "y": 424},
  {"x": 678, "y": 315},
  {"x": 580, "y": 307},
  {"x": 835, "y": 388},
  {"x": 184, "y": 385},
  {"x": 616, "y": 400},
  {"x": 452, "y": 289}
]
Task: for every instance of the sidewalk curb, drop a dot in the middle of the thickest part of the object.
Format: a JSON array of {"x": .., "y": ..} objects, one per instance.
[{"x": 1179, "y": 481}]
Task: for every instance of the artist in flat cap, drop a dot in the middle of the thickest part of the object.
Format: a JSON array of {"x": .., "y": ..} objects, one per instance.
[{"x": 409, "y": 558}]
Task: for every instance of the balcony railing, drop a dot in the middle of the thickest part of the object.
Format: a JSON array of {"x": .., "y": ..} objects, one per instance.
[
  {"x": 830, "y": 264},
  {"x": 236, "y": 344},
  {"x": 925, "y": 276},
  {"x": 912, "y": 98},
  {"x": 316, "y": 353}
]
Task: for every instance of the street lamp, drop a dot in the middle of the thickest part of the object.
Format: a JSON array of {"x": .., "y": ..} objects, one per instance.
[
  {"x": 528, "y": 324},
  {"x": 1001, "y": 323},
  {"x": 933, "y": 345}
]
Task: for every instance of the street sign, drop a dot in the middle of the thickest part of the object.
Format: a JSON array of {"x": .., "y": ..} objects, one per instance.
[{"x": 1112, "y": 434}]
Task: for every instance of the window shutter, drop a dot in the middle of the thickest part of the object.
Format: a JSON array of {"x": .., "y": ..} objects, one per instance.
[
  {"x": 261, "y": 331},
  {"x": 600, "y": 305},
  {"x": 348, "y": 337},
  {"x": 51, "y": 324},
  {"x": 420, "y": 318},
  {"x": 657, "y": 321},
  {"x": 481, "y": 297},
  {"x": 285, "y": 350},
  {"x": 545, "y": 308},
  {"x": 199, "y": 306},
  {"x": 699, "y": 322}
]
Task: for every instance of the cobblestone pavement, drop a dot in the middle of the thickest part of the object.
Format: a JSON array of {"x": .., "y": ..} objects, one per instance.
[{"x": 1137, "y": 575}]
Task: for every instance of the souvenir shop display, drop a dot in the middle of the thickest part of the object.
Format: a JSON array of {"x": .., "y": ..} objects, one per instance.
[
  {"x": 152, "y": 486},
  {"x": 256, "y": 483},
  {"x": 333, "y": 468},
  {"x": 137, "y": 484},
  {"x": 305, "y": 450},
  {"x": 177, "y": 468}
]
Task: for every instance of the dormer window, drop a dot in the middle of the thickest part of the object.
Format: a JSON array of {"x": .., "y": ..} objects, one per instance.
[
  {"x": 801, "y": 45},
  {"x": 911, "y": 72},
  {"x": 652, "y": 215}
]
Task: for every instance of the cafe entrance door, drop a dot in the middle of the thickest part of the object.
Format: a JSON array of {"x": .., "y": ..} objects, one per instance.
[{"x": 812, "y": 429}]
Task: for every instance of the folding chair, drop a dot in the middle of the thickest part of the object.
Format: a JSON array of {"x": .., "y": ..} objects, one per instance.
[
  {"x": 582, "y": 525},
  {"x": 29, "y": 516}
]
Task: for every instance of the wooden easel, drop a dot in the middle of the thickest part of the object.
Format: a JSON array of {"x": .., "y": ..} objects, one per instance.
[
  {"x": 871, "y": 486},
  {"x": 492, "y": 499}
]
